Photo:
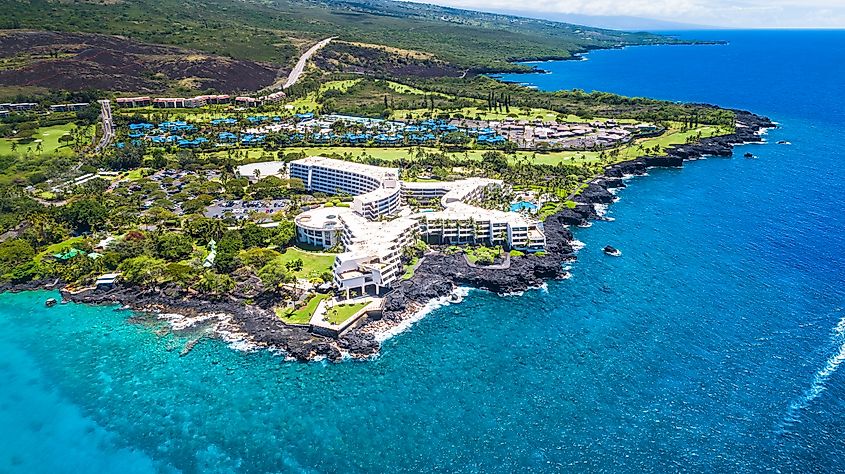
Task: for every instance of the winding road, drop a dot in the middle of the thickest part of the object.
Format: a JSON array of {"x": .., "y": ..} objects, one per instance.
[
  {"x": 108, "y": 125},
  {"x": 303, "y": 60}
]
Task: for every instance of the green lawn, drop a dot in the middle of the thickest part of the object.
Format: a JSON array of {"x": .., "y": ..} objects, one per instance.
[
  {"x": 516, "y": 113},
  {"x": 341, "y": 86},
  {"x": 56, "y": 248},
  {"x": 672, "y": 137},
  {"x": 303, "y": 314},
  {"x": 410, "y": 268},
  {"x": 338, "y": 314},
  {"x": 49, "y": 137},
  {"x": 313, "y": 264}
]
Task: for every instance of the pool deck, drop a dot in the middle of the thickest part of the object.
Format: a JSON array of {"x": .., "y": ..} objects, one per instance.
[{"x": 323, "y": 327}]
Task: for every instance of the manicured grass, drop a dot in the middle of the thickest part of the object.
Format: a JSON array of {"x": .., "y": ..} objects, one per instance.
[
  {"x": 303, "y": 314},
  {"x": 58, "y": 247},
  {"x": 474, "y": 254},
  {"x": 136, "y": 174},
  {"x": 341, "y": 86},
  {"x": 516, "y": 113},
  {"x": 313, "y": 264},
  {"x": 338, "y": 314},
  {"x": 410, "y": 268},
  {"x": 49, "y": 137},
  {"x": 406, "y": 89},
  {"x": 673, "y": 136}
]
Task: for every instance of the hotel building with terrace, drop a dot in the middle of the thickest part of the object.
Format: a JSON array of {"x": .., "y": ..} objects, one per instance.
[{"x": 376, "y": 229}]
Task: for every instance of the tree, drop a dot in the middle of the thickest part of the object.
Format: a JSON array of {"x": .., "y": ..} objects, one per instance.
[
  {"x": 144, "y": 270},
  {"x": 294, "y": 265},
  {"x": 274, "y": 275},
  {"x": 203, "y": 228},
  {"x": 271, "y": 187},
  {"x": 215, "y": 283},
  {"x": 495, "y": 160},
  {"x": 85, "y": 215},
  {"x": 173, "y": 246},
  {"x": 125, "y": 158},
  {"x": 158, "y": 160},
  {"x": 13, "y": 253},
  {"x": 44, "y": 230},
  {"x": 257, "y": 257},
  {"x": 282, "y": 235},
  {"x": 228, "y": 246}
]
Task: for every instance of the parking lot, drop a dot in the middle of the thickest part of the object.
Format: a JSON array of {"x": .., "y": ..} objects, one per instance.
[{"x": 242, "y": 209}]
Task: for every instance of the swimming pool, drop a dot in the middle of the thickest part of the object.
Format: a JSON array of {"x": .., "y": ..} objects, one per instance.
[{"x": 523, "y": 206}]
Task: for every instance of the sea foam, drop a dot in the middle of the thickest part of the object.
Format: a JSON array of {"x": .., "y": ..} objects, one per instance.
[
  {"x": 821, "y": 377},
  {"x": 425, "y": 310}
]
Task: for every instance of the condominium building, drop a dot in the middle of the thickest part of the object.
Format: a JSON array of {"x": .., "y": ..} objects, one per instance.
[
  {"x": 376, "y": 190},
  {"x": 461, "y": 224},
  {"x": 69, "y": 107},
  {"x": 373, "y": 243},
  {"x": 19, "y": 106},
  {"x": 142, "y": 101},
  {"x": 372, "y": 260}
]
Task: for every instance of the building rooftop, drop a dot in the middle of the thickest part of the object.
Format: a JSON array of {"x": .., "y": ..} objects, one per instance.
[
  {"x": 322, "y": 218},
  {"x": 378, "y": 172},
  {"x": 265, "y": 168}
]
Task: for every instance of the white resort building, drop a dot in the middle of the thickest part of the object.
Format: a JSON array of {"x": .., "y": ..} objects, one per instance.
[
  {"x": 375, "y": 189},
  {"x": 376, "y": 229},
  {"x": 461, "y": 223}
]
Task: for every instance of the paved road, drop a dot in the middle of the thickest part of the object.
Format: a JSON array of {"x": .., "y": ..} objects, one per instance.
[
  {"x": 108, "y": 125},
  {"x": 303, "y": 60}
]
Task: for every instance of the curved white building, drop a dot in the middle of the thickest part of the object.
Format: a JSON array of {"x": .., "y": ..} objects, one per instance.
[
  {"x": 375, "y": 189},
  {"x": 320, "y": 227},
  {"x": 372, "y": 257}
]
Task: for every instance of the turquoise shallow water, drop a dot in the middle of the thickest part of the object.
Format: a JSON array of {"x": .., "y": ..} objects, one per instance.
[{"x": 712, "y": 345}]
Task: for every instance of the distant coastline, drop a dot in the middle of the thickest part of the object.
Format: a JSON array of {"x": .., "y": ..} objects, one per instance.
[{"x": 581, "y": 55}]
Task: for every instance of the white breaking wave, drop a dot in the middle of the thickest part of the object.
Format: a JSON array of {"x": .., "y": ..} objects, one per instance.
[
  {"x": 821, "y": 377},
  {"x": 601, "y": 209},
  {"x": 543, "y": 287},
  {"x": 432, "y": 305}
]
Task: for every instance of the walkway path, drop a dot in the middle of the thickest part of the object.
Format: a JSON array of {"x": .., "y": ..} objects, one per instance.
[
  {"x": 501, "y": 266},
  {"x": 303, "y": 60}
]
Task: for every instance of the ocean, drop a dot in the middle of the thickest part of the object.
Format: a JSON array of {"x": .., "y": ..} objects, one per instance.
[{"x": 713, "y": 344}]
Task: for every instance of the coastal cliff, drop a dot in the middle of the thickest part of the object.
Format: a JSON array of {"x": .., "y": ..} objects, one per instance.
[
  {"x": 237, "y": 318},
  {"x": 439, "y": 275}
]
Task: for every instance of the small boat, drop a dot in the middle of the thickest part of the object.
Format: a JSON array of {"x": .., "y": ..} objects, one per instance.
[
  {"x": 50, "y": 302},
  {"x": 749, "y": 155},
  {"x": 783, "y": 142},
  {"x": 613, "y": 252}
]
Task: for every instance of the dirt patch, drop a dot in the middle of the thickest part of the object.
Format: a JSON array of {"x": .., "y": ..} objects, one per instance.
[
  {"x": 76, "y": 61},
  {"x": 382, "y": 61}
]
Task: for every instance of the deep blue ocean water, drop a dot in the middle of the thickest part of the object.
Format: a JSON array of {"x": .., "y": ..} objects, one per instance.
[{"x": 712, "y": 345}]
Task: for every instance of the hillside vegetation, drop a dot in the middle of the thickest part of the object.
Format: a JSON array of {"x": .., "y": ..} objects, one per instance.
[{"x": 276, "y": 31}]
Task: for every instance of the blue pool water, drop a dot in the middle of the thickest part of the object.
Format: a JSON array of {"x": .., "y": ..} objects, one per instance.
[
  {"x": 523, "y": 206},
  {"x": 713, "y": 344}
]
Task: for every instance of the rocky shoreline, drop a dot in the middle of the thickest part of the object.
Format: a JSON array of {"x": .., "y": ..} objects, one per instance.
[
  {"x": 255, "y": 325},
  {"x": 439, "y": 275}
]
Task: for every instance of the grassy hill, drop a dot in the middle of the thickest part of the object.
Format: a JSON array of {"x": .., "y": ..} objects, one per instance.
[{"x": 275, "y": 31}]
